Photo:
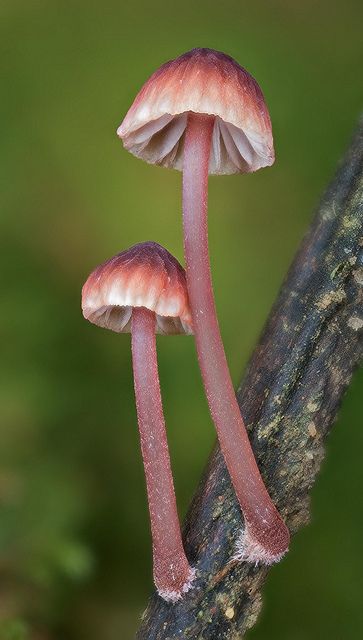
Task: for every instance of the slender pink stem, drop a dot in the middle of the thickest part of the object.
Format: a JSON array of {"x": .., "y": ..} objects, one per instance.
[
  {"x": 267, "y": 537},
  {"x": 172, "y": 573}
]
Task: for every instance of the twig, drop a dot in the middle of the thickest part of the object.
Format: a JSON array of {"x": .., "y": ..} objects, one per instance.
[{"x": 290, "y": 395}]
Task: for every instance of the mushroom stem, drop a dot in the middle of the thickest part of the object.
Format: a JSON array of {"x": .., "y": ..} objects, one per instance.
[
  {"x": 266, "y": 536},
  {"x": 172, "y": 573}
]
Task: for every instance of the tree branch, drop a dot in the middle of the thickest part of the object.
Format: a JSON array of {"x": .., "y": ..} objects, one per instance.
[{"x": 290, "y": 395}]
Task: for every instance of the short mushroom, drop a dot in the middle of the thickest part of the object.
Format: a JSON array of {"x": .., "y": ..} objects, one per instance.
[
  {"x": 203, "y": 113},
  {"x": 143, "y": 291}
]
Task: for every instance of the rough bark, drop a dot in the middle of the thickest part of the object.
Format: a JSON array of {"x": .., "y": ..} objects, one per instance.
[{"x": 290, "y": 396}]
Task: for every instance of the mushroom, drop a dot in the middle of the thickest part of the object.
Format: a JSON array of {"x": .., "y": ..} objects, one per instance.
[
  {"x": 143, "y": 291},
  {"x": 203, "y": 113}
]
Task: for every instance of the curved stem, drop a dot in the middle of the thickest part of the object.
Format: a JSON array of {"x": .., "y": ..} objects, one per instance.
[
  {"x": 172, "y": 573},
  {"x": 266, "y": 537}
]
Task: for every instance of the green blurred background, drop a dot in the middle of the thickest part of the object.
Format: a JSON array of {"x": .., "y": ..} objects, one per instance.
[{"x": 75, "y": 559}]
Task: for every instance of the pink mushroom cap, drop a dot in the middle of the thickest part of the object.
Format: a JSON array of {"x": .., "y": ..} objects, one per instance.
[
  {"x": 146, "y": 275},
  {"x": 207, "y": 82}
]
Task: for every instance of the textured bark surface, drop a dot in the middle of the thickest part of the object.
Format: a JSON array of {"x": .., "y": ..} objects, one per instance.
[{"x": 290, "y": 396}]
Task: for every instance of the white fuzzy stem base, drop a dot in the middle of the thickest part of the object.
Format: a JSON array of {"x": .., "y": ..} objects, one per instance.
[
  {"x": 174, "y": 596},
  {"x": 248, "y": 549}
]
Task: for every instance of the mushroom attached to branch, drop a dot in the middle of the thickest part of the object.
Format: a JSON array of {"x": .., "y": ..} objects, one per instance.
[
  {"x": 143, "y": 291},
  {"x": 202, "y": 113}
]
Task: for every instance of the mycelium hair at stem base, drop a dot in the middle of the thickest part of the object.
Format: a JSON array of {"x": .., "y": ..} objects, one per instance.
[
  {"x": 203, "y": 113},
  {"x": 143, "y": 290}
]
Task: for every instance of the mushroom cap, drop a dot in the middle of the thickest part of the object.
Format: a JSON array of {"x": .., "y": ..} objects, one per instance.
[
  {"x": 146, "y": 275},
  {"x": 202, "y": 81}
]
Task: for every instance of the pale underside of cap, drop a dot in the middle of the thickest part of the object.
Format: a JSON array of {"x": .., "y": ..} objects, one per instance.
[
  {"x": 146, "y": 275},
  {"x": 206, "y": 82}
]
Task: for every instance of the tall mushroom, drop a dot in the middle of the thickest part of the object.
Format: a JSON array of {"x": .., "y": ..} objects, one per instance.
[
  {"x": 143, "y": 290},
  {"x": 203, "y": 113}
]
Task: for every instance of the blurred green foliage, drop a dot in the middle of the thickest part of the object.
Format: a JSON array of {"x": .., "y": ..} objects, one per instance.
[
  {"x": 75, "y": 559},
  {"x": 13, "y": 630}
]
